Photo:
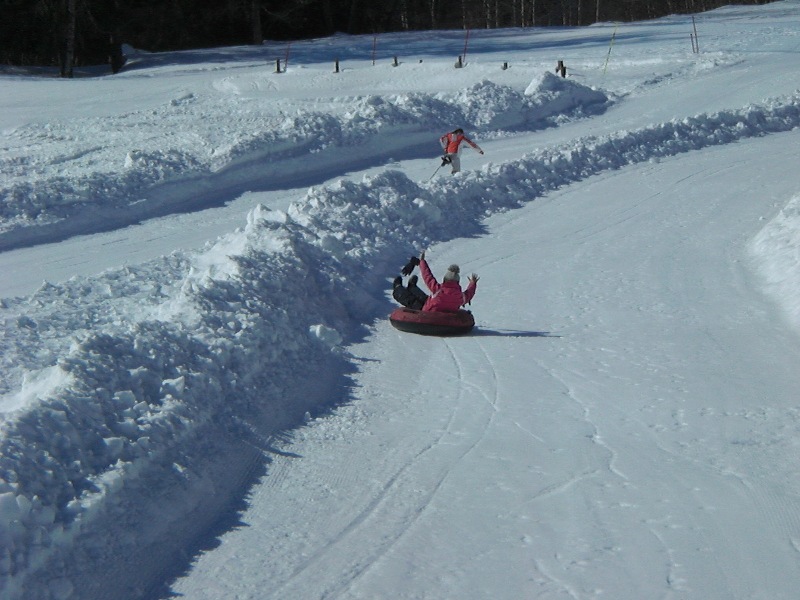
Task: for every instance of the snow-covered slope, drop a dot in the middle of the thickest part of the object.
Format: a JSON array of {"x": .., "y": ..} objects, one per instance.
[{"x": 139, "y": 402}]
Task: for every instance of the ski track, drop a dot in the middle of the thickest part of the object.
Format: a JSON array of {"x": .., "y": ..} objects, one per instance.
[
  {"x": 596, "y": 435},
  {"x": 432, "y": 490},
  {"x": 544, "y": 570},
  {"x": 405, "y": 501}
]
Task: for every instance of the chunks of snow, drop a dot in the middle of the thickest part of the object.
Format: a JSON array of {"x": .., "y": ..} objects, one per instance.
[{"x": 326, "y": 335}]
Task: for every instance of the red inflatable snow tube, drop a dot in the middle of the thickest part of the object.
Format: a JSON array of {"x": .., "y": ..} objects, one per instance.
[{"x": 432, "y": 322}]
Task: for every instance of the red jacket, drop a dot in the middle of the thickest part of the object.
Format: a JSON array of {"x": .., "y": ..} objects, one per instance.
[
  {"x": 451, "y": 142},
  {"x": 447, "y": 296}
]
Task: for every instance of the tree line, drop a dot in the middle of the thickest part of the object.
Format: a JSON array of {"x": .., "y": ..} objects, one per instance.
[{"x": 68, "y": 33}]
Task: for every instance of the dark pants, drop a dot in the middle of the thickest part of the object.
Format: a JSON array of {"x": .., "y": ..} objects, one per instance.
[{"x": 410, "y": 296}]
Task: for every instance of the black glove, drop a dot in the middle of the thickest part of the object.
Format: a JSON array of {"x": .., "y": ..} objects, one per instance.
[
  {"x": 413, "y": 262},
  {"x": 446, "y": 160}
]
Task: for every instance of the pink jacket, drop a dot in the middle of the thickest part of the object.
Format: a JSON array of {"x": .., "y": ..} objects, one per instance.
[
  {"x": 447, "y": 296},
  {"x": 451, "y": 142}
]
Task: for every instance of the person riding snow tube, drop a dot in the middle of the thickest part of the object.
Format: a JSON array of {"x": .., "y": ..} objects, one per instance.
[
  {"x": 439, "y": 314},
  {"x": 445, "y": 297}
]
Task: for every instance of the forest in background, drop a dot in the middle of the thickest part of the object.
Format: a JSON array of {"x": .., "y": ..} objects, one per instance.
[{"x": 69, "y": 33}]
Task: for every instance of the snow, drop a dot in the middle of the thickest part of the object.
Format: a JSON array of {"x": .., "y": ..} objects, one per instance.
[{"x": 201, "y": 394}]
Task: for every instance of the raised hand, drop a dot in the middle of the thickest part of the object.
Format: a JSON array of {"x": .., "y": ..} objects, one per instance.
[{"x": 409, "y": 268}]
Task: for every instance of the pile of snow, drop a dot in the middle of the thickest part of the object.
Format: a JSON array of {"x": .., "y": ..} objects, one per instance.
[
  {"x": 777, "y": 252},
  {"x": 54, "y": 172},
  {"x": 555, "y": 98}
]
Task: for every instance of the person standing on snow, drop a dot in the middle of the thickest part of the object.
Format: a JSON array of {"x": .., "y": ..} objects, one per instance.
[
  {"x": 451, "y": 144},
  {"x": 445, "y": 297}
]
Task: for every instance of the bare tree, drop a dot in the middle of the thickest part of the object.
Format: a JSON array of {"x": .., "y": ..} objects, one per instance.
[
  {"x": 69, "y": 39},
  {"x": 255, "y": 21}
]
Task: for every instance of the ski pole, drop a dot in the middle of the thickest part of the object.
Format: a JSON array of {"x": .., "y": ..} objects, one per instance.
[{"x": 445, "y": 161}]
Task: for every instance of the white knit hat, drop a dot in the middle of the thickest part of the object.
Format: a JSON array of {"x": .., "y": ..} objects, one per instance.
[{"x": 452, "y": 273}]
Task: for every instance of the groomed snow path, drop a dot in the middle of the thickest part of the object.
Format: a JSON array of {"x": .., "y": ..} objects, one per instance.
[{"x": 600, "y": 472}]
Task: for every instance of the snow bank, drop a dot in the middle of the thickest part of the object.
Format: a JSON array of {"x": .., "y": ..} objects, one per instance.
[
  {"x": 555, "y": 98},
  {"x": 122, "y": 165},
  {"x": 777, "y": 252},
  {"x": 145, "y": 374}
]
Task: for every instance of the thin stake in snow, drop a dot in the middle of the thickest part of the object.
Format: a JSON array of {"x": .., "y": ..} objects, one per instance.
[
  {"x": 610, "y": 46},
  {"x": 695, "y": 41}
]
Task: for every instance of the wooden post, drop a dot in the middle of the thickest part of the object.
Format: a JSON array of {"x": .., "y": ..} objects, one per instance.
[
  {"x": 277, "y": 65},
  {"x": 395, "y": 63},
  {"x": 336, "y": 69},
  {"x": 459, "y": 64}
]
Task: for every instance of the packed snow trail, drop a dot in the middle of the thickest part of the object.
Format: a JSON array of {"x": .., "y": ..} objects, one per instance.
[{"x": 595, "y": 437}]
